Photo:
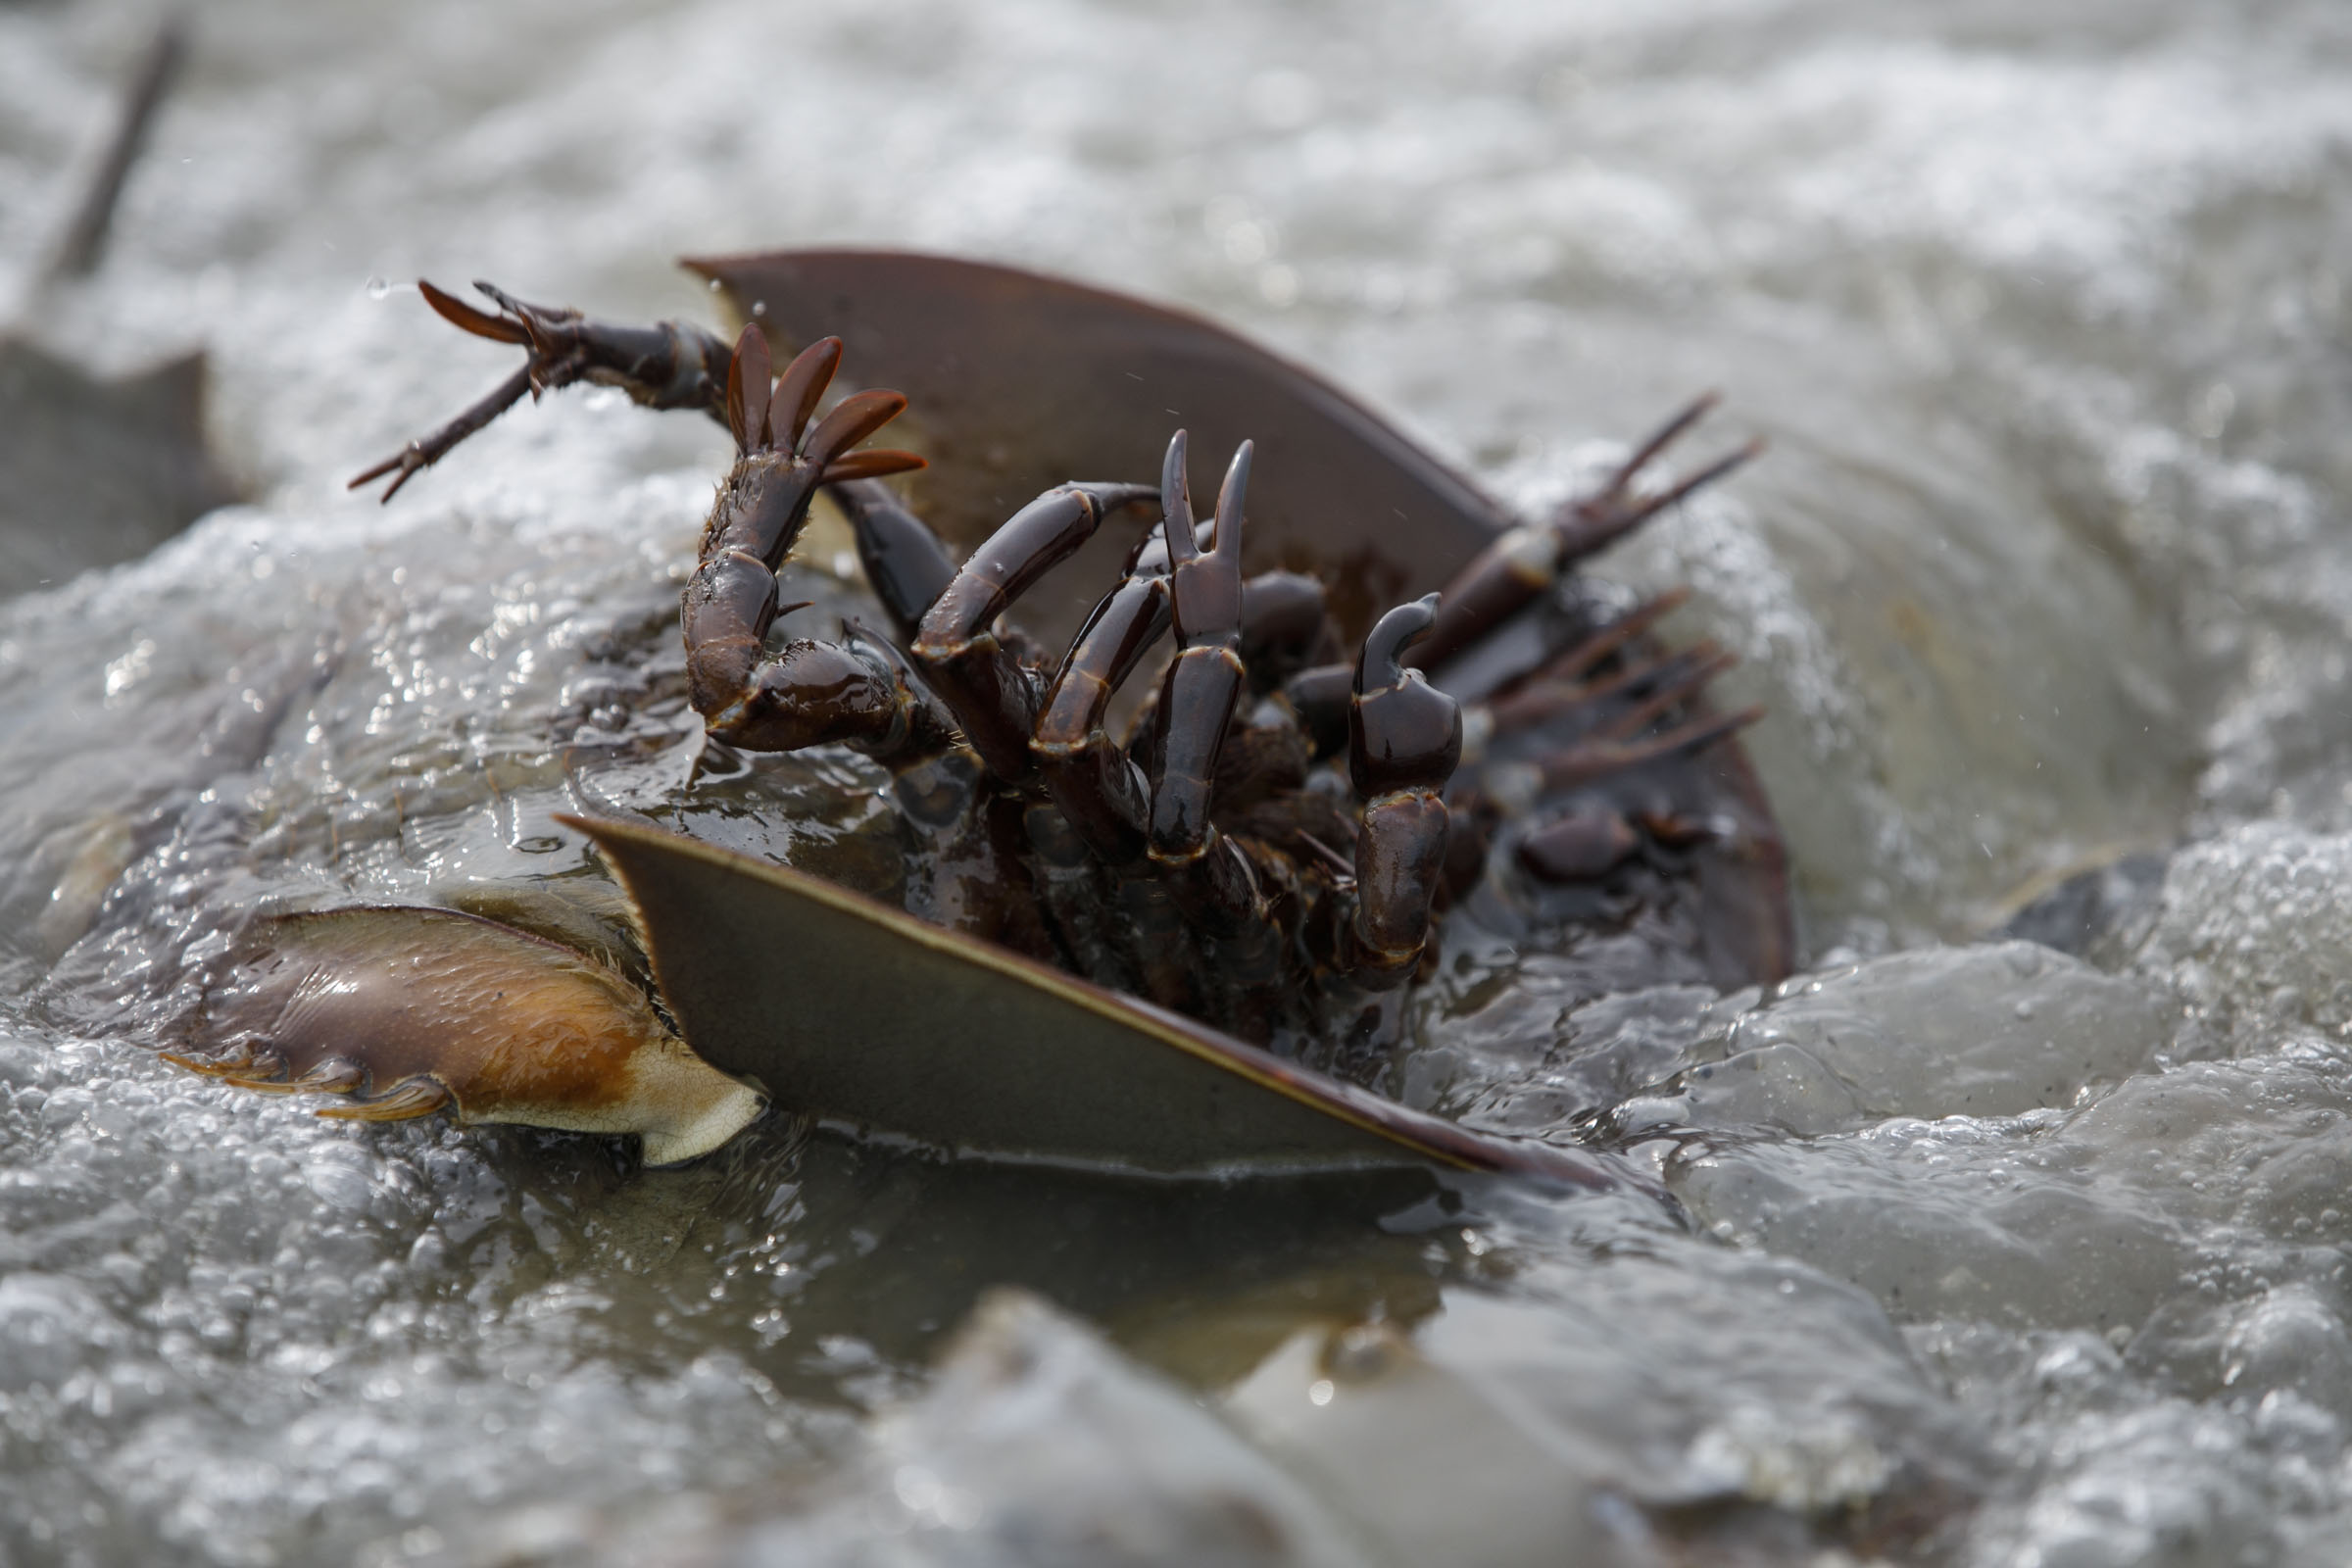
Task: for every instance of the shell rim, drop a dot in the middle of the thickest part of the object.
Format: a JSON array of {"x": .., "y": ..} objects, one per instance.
[{"x": 1421, "y": 1133}]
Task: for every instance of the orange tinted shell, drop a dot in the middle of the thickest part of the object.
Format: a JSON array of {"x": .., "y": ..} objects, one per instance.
[{"x": 417, "y": 1009}]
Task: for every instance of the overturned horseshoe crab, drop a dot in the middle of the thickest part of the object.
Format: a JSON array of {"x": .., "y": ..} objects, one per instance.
[{"x": 1216, "y": 870}]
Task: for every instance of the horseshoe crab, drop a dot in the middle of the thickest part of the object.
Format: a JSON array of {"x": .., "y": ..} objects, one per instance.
[{"x": 1161, "y": 893}]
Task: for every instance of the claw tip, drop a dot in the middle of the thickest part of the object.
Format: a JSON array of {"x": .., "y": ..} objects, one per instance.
[
  {"x": 1402, "y": 627},
  {"x": 1230, "y": 494}
]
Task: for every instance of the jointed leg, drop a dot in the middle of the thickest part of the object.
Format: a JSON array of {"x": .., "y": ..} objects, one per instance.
[
  {"x": 957, "y": 645},
  {"x": 672, "y": 365},
  {"x": 1088, "y": 774},
  {"x": 1596, "y": 725},
  {"x": 808, "y": 693},
  {"x": 903, "y": 560},
  {"x": 1204, "y": 682},
  {"x": 1405, "y": 739},
  {"x": 1655, "y": 685},
  {"x": 1284, "y": 625},
  {"x": 1127, "y": 821},
  {"x": 1525, "y": 563}
]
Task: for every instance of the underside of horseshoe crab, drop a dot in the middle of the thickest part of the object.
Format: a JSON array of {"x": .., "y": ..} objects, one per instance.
[{"x": 1385, "y": 702}]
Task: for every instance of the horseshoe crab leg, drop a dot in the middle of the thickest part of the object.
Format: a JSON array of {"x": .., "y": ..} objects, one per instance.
[
  {"x": 1105, "y": 798},
  {"x": 1088, "y": 774},
  {"x": 903, "y": 560},
  {"x": 807, "y": 693},
  {"x": 1210, "y": 876},
  {"x": 1597, "y": 758},
  {"x": 1608, "y": 741},
  {"x": 426, "y": 450},
  {"x": 1523, "y": 563},
  {"x": 670, "y": 365},
  {"x": 1677, "y": 676},
  {"x": 1574, "y": 662},
  {"x": 1283, "y": 621},
  {"x": 1678, "y": 680},
  {"x": 957, "y": 645},
  {"x": 1204, "y": 682},
  {"x": 1405, "y": 738},
  {"x": 1602, "y": 720}
]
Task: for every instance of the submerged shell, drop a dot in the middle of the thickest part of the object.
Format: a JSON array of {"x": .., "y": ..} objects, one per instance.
[
  {"x": 859, "y": 1014},
  {"x": 414, "y": 1008}
]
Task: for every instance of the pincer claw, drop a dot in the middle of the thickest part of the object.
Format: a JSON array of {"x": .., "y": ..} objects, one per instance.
[
  {"x": 1403, "y": 733},
  {"x": 670, "y": 365}
]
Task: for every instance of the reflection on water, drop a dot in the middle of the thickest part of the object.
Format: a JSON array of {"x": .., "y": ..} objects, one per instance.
[{"x": 1989, "y": 1256}]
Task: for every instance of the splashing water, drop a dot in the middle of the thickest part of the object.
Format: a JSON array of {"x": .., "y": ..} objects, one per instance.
[{"x": 1997, "y": 1255}]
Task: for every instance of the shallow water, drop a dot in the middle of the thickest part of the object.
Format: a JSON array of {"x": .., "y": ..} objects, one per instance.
[{"x": 1996, "y": 1256}]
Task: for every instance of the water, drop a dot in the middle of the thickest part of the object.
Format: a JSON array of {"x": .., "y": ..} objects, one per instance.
[{"x": 1995, "y": 1256}]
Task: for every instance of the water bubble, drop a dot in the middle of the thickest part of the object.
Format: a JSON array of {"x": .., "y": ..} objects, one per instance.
[{"x": 378, "y": 287}]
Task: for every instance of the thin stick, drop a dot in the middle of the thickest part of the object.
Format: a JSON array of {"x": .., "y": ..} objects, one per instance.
[{"x": 84, "y": 241}]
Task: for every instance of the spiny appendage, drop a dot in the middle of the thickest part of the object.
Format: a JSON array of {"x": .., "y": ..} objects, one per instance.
[
  {"x": 670, "y": 365},
  {"x": 808, "y": 693},
  {"x": 1128, "y": 821},
  {"x": 1090, "y": 775},
  {"x": 1609, "y": 707},
  {"x": 992, "y": 695},
  {"x": 1404, "y": 740},
  {"x": 1590, "y": 523},
  {"x": 1406, "y": 737},
  {"x": 1219, "y": 886},
  {"x": 1526, "y": 562},
  {"x": 1612, "y": 717},
  {"x": 1203, "y": 681}
]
